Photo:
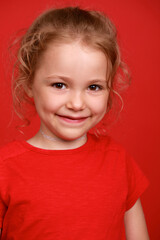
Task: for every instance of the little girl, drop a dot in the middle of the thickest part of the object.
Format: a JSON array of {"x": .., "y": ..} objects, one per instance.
[{"x": 66, "y": 183}]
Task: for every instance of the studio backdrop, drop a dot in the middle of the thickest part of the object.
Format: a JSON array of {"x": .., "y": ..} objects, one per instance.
[{"x": 138, "y": 125}]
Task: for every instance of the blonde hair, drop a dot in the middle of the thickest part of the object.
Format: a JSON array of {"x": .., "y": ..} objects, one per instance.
[{"x": 63, "y": 25}]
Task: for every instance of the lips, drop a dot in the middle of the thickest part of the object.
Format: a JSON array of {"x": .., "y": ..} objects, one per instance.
[{"x": 72, "y": 119}]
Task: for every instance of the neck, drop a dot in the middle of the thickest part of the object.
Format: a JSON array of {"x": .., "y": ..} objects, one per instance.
[
  {"x": 44, "y": 141},
  {"x": 55, "y": 139}
]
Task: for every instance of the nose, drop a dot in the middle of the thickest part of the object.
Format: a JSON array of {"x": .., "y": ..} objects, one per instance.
[{"x": 76, "y": 101}]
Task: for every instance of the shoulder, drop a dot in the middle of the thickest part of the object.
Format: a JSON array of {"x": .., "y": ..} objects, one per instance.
[
  {"x": 11, "y": 150},
  {"x": 107, "y": 143},
  {"x": 112, "y": 151}
]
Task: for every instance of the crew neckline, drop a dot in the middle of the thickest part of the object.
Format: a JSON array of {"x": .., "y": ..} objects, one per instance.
[{"x": 60, "y": 151}]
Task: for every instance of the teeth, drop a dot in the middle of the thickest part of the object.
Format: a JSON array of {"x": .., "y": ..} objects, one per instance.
[{"x": 73, "y": 118}]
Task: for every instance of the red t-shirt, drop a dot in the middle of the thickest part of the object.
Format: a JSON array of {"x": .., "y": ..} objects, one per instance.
[{"x": 79, "y": 194}]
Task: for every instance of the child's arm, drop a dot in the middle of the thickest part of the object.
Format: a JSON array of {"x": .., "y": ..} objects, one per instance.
[{"x": 135, "y": 224}]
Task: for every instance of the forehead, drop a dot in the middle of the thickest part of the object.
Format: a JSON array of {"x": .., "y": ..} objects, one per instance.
[{"x": 72, "y": 55}]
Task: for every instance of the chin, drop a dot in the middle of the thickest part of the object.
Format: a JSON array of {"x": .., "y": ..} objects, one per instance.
[{"x": 71, "y": 137}]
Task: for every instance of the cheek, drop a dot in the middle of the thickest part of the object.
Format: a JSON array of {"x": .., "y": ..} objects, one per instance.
[
  {"x": 99, "y": 105},
  {"x": 48, "y": 103}
]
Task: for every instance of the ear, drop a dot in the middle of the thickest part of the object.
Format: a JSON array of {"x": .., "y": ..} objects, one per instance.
[
  {"x": 28, "y": 90},
  {"x": 109, "y": 83}
]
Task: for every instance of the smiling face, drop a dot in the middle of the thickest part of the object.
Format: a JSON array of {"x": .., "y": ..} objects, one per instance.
[{"x": 70, "y": 90}]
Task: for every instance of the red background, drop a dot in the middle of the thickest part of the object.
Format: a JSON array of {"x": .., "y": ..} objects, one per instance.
[{"x": 138, "y": 127}]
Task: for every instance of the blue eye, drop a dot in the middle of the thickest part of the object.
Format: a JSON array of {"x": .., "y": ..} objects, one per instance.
[
  {"x": 95, "y": 87},
  {"x": 59, "y": 85}
]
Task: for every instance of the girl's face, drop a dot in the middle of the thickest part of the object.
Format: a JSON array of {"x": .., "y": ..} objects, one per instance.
[{"x": 70, "y": 90}]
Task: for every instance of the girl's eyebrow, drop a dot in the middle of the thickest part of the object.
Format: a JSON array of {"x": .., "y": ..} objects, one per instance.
[
  {"x": 96, "y": 80},
  {"x": 59, "y": 76}
]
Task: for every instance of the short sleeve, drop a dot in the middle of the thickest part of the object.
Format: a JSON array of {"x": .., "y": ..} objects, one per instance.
[{"x": 137, "y": 182}]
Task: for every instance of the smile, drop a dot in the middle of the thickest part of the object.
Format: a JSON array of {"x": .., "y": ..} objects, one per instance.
[{"x": 70, "y": 119}]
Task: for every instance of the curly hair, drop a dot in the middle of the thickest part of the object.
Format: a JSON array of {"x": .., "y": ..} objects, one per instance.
[{"x": 65, "y": 25}]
